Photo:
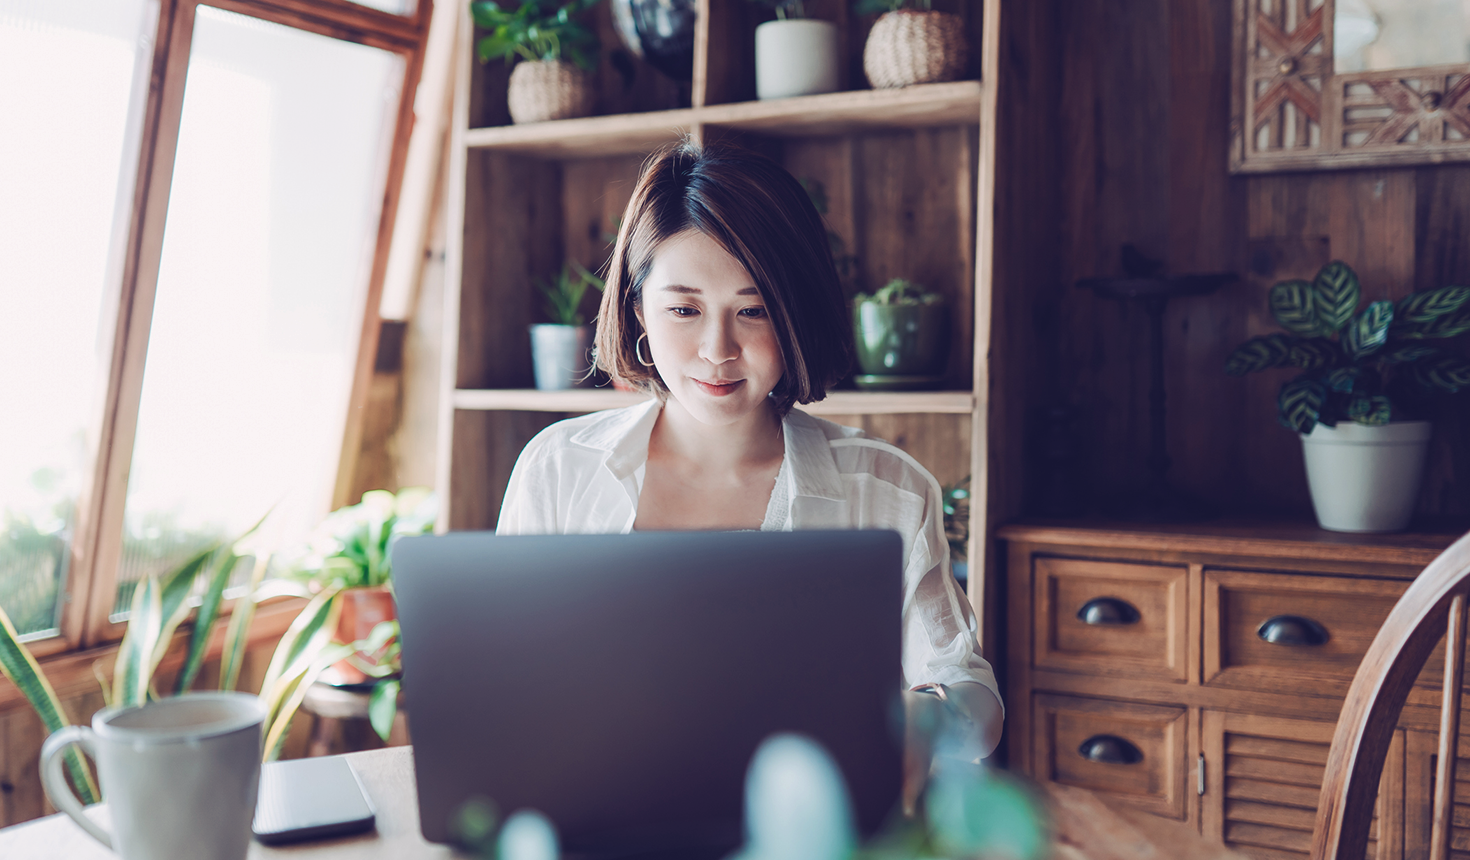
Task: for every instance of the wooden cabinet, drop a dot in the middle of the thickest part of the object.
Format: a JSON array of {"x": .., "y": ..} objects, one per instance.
[{"x": 1197, "y": 673}]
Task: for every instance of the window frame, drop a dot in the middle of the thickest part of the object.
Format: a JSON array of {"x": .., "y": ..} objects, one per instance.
[{"x": 90, "y": 590}]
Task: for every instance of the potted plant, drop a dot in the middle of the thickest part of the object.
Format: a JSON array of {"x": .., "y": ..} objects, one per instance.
[
  {"x": 558, "y": 54},
  {"x": 1368, "y": 383},
  {"x": 560, "y": 349},
  {"x": 910, "y": 44},
  {"x": 794, "y": 55},
  {"x": 902, "y": 334}
]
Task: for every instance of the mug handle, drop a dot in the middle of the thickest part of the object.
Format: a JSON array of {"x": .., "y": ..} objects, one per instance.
[{"x": 53, "y": 778}]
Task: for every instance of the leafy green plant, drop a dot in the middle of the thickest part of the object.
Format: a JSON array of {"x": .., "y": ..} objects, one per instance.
[
  {"x": 1371, "y": 365},
  {"x": 876, "y": 7},
  {"x": 900, "y": 292},
  {"x": 564, "y": 293},
  {"x": 536, "y": 30},
  {"x": 786, "y": 10},
  {"x": 350, "y": 550}
]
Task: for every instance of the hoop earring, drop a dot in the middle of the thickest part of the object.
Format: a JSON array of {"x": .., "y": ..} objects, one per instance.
[{"x": 638, "y": 350}]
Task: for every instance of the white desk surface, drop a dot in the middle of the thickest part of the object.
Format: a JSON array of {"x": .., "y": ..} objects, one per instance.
[{"x": 387, "y": 774}]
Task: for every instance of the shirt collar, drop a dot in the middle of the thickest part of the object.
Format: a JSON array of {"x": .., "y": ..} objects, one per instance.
[
  {"x": 809, "y": 456},
  {"x": 624, "y": 435}
]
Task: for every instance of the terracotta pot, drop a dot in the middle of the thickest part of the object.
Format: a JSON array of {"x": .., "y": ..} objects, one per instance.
[
  {"x": 912, "y": 47},
  {"x": 543, "y": 90},
  {"x": 362, "y": 610}
]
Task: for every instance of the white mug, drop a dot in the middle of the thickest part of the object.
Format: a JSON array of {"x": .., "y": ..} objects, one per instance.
[{"x": 179, "y": 775}]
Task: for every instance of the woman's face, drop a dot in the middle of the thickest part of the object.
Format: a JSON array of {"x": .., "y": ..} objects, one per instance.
[{"x": 708, "y": 332}]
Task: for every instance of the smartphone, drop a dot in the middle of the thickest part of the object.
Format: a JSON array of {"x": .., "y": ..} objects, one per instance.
[{"x": 310, "y": 798}]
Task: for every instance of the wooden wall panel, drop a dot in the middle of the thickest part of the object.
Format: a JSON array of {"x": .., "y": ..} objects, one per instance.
[
  {"x": 512, "y": 234},
  {"x": 1144, "y": 162}
]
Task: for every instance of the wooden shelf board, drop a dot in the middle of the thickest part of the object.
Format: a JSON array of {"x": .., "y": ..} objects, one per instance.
[
  {"x": 925, "y": 105},
  {"x": 955, "y": 103},
  {"x": 596, "y": 399},
  {"x": 621, "y": 134}
]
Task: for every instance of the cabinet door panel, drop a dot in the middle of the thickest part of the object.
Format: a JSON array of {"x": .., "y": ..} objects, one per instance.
[
  {"x": 1153, "y": 781},
  {"x": 1264, "y": 781},
  {"x": 1344, "y": 614},
  {"x": 1110, "y": 618}
]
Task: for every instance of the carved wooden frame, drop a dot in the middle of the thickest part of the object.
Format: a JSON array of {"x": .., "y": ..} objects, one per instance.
[{"x": 1290, "y": 110}]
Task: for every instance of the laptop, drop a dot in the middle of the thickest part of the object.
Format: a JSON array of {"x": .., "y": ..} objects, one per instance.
[{"x": 620, "y": 684}]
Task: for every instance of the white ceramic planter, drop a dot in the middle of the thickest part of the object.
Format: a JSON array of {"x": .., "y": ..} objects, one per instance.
[
  {"x": 1365, "y": 479},
  {"x": 795, "y": 58},
  {"x": 561, "y": 356}
]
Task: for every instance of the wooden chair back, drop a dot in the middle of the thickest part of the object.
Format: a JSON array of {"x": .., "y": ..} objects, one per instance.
[{"x": 1434, "y": 606}]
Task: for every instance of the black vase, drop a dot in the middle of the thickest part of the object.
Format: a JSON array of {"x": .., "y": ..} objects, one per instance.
[{"x": 661, "y": 32}]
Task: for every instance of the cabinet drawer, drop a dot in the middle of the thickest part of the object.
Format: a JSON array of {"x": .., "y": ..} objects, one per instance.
[
  {"x": 1323, "y": 626},
  {"x": 1146, "y": 743},
  {"x": 1110, "y": 618}
]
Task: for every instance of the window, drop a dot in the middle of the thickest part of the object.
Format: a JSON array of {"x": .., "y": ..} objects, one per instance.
[{"x": 189, "y": 268}]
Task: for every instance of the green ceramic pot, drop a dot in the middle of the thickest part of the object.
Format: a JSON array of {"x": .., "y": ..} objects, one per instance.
[{"x": 901, "y": 340}]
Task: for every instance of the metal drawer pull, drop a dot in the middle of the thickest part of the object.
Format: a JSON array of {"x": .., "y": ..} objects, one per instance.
[
  {"x": 1110, "y": 749},
  {"x": 1292, "y": 630},
  {"x": 1107, "y": 610}
]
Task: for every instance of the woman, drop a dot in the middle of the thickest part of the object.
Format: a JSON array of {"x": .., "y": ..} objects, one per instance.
[{"x": 723, "y": 303}]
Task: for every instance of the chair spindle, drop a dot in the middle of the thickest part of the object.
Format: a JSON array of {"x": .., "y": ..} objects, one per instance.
[{"x": 1449, "y": 731}]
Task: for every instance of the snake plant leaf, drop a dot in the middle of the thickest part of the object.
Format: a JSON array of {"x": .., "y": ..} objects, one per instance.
[
  {"x": 237, "y": 632},
  {"x": 309, "y": 633},
  {"x": 1446, "y": 373},
  {"x": 1312, "y": 353},
  {"x": 1300, "y": 403},
  {"x": 1291, "y": 305},
  {"x": 1372, "y": 409},
  {"x": 132, "y": 672},
  {"x": 1405, "y": 353},
  {"x": 1343, "y": 379},
  {"x": 1259, "y": 353},
  {"x": 279, "y": 722},
  {"x": 383, "y": 707},
  {"x": 1335, "y": 294},
  {"x": 1368, "y": 331},
  {"x": 217, "y": 576},
  {"x": 1430, "y": 305},
  {"x": 20, "y": 666}
]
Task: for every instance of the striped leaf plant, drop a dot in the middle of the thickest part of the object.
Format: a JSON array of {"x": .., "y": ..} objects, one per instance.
[{"x": 1381, "y": 362}]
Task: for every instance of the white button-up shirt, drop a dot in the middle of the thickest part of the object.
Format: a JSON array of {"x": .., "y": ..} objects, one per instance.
[{"x": 585, "y": 474}]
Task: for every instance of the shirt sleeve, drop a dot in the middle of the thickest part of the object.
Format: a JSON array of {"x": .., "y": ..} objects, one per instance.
[
  {"x": 529, "y": 506},
  {"x": 940, "y": 631}
]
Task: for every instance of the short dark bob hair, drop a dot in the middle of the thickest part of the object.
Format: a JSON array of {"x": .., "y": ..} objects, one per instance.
[{"x": 763, "y": 218}]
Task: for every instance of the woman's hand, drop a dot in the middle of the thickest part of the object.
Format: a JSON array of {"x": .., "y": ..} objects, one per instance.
[{"x": 968, "y": 725}]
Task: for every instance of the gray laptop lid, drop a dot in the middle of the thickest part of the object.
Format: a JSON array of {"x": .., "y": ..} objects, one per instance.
[{"x": 620, "y": 683}]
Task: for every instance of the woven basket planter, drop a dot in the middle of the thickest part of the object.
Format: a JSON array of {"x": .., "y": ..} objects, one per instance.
[
  {"x": 544, "y": 89},
  {"x": 912, "y": 47}
]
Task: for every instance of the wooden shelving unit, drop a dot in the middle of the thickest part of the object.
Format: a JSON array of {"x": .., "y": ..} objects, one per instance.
[{"x": 910, "y": 184}]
